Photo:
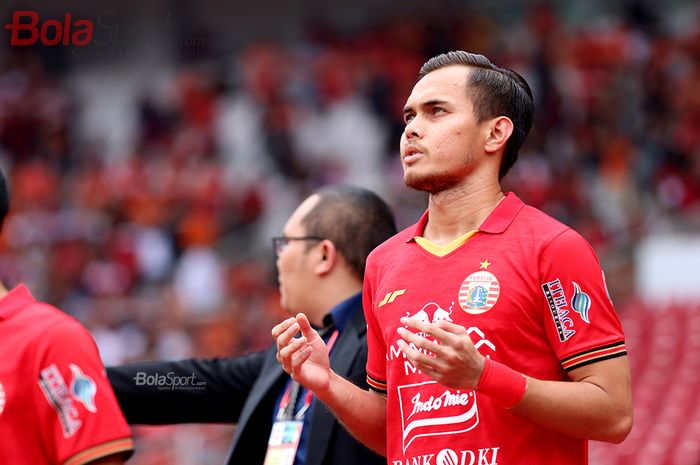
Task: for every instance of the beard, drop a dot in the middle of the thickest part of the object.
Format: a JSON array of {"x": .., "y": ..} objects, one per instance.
[{"x": 432, "y": 183}]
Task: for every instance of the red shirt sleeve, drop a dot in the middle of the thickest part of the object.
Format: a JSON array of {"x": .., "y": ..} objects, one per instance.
[
  {"x": 79, "y": 417},
  {"x": 580, "y": 320},
  {"x": 376, "y": 346}
]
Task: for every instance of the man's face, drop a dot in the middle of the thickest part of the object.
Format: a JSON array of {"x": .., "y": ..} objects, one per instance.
[
  {"x": 294, "y": 268},
  {"x": 441, "y": 140}
]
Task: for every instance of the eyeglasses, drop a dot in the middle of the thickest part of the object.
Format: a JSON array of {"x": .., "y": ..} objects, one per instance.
[{"x": 281, "y": 243}]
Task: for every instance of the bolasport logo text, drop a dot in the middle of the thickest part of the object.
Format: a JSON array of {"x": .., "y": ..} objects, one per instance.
[
  {"x": 28, "y": 28},
  {"x": 109, "y": 35},
  {"x": 169, "y": 381}
]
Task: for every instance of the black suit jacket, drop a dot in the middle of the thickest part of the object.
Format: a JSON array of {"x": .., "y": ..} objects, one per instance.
[{"x": 243, "y": 390}]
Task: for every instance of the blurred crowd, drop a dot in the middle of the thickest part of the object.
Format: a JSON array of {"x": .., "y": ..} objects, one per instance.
[{"x": 165, "y": 252}]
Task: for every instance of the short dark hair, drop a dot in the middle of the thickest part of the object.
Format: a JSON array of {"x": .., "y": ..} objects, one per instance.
[
  {"x": 4, "y": 198},
  {"x": 355, "y": 219},
  {"x": 494, "y": 91}
]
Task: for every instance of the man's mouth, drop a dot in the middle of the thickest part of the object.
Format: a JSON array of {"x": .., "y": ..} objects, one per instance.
[{"x": 411, "y": 153}]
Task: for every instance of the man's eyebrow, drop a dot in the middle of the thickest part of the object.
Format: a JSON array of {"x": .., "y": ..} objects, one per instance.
[{"x": 426, "y": 104}]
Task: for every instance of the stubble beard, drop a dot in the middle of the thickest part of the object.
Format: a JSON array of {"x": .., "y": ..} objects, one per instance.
[{"x": 432, "y": 183}]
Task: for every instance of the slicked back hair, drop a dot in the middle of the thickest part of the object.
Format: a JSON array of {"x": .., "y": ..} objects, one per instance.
[
  {"x": 494, "y": 92},
  {"x": 354, "y": 219}
]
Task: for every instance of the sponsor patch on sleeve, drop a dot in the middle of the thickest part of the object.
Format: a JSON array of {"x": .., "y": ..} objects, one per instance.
[
  {"x": 559, "y": 308},
  {"x": 59, "y": 397}
]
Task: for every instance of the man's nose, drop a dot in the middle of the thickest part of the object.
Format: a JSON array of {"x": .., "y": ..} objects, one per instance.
[{"x": 412, "y": 129}]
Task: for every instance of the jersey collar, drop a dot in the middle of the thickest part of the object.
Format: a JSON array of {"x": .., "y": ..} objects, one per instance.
[
  {"x": 503, "y": 215},
  {"x": 497, "y": 222},
  {"x": 14, "y": 301}
]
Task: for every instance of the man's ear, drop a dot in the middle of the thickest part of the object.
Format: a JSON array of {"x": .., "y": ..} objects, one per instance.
[
  {"x": 327, "y": 259},
  {"x": 500, "y": 130}
]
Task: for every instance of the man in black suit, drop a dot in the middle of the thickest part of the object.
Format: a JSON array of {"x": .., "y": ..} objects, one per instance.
[{"x": 320, "y": 261}]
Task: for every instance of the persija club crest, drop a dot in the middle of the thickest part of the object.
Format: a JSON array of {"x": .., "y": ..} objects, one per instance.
[
  {"x": 479, "y": 292},
  {"x": 430, "y": 409}
]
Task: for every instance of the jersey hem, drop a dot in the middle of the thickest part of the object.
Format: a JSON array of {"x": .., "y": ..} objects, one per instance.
[
  {"x": 597, "y": 354},
  {"x": 123, "y": 446},
  {"x": 376, "y": 384}
]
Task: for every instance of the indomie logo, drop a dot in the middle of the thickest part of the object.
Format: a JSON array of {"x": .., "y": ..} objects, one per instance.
[
  {"x": 429, "y": 409},
  {"x": 51, "y": 32}
]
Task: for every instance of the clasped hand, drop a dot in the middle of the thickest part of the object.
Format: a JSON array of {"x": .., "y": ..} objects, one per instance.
[{"x": 448, "y": 356}]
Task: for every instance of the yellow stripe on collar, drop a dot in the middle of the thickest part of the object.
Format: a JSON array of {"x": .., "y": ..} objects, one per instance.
[{"x": 442, "y": 250}]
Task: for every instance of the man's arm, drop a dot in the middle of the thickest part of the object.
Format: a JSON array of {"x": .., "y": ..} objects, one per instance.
[
  {"x": 185, "y": 391},
  {"x": 596, "y": 404},
  {"x": 363, "y": 413}
]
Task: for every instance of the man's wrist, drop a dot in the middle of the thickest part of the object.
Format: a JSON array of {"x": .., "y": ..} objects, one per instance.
[
  {"x": 326, "y": 394},
  {"x": 503, "y": 384}
]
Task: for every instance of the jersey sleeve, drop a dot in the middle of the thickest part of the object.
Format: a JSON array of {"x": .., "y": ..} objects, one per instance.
[
  {"x": 580, "y": 320},
  {"x": 79, "y": 417},
  {"x": 376, "y": 347}
]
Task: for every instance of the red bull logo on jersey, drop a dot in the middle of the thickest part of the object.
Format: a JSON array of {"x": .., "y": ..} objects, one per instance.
[
  {"x": 432, "y": 313},
  {"x": 479, "y": 292},
  {"x": 430, "y": 409}
]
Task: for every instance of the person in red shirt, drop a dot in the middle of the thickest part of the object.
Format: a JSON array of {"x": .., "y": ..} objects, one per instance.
[
  {"x": 491, "y": 336},
  {"x": 56, "y": 404}
]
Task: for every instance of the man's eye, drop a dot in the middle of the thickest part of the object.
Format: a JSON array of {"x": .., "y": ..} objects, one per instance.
[
  {"x": 438, "y": 110},
  {"x": 407, "y": 118}
]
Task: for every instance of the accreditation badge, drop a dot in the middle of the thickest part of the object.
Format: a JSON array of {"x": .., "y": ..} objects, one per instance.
[{"x": 283, "y": 443}]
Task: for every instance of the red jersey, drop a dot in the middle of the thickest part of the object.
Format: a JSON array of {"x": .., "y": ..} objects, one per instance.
[
  {"x": 56, "y": 404},
  {"x": 530, "y": 292}
]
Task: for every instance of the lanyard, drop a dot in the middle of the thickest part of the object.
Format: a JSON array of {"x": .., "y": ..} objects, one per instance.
[{"x": 292, "y": 391}]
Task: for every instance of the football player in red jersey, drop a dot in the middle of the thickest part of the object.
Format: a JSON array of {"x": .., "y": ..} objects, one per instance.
[
  {"x": 56, "y": 404},
  {"x": 491, "y": 338}
]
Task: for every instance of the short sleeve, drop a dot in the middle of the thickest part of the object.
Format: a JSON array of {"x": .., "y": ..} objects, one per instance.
[
  {"x": 376, "y": 347},
  {"x": 78, "y": 413},
  {"x": 580, "y": 320}
]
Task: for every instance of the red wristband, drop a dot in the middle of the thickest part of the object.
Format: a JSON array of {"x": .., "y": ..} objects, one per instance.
[{"x": 504, "y": 385}]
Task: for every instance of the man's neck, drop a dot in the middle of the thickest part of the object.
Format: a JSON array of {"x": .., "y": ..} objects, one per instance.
[
  {"x": 457, "y": 211},
  {"x": 335, "y": 294}
]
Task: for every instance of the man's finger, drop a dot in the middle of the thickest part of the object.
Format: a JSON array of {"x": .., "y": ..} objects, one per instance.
[
  {"x": 437, "y": 330},
  {"x": 293, "y": 346},
  {"x": 451, "y": 327},
  {"x": 418, "y": 341},
  {"x": 287, "y": 335},
  {"x": 282, "y": 327},
  {"x": 416, "y": 357},
  {"x": 305, "y": 326},
  {"x": 300, "y": 357}
]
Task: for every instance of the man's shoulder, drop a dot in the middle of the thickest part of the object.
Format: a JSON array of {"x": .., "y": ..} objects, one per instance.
[
  {"x": 539, "y": 222},
  {"x": 49, "y": 321},
  {"x": 396, "y": 241}
]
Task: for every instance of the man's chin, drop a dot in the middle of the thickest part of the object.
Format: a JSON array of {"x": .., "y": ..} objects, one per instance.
[{"x": 431, "y": 184}]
